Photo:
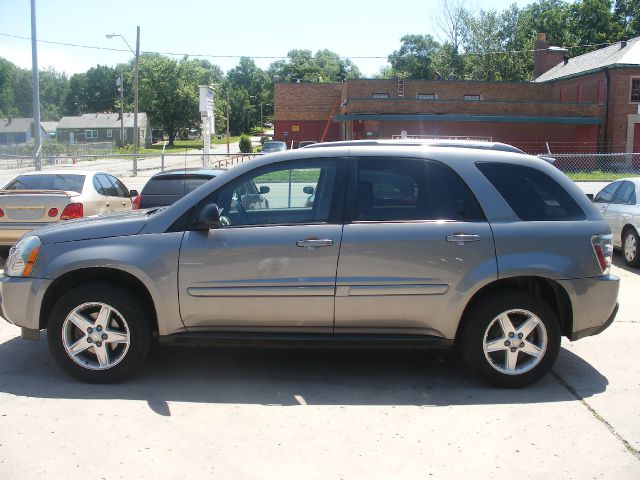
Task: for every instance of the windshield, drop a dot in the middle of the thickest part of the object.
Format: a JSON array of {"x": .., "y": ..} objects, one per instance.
[{"x": 69, "y": 183}]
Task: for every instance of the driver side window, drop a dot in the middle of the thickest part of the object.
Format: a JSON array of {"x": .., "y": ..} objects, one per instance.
[{"x": 296, "y": 192}]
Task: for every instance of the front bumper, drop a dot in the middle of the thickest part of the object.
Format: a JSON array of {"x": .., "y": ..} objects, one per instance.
[
  {"x": 21, "y": 299},
  {"x": 594, "y": 302}
]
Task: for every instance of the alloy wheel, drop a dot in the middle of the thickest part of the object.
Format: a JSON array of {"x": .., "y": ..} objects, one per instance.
[{"x": 515, "y": 342}]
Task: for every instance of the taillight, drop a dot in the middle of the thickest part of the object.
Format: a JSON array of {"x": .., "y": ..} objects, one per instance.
[
  {"x": 53, "y": 212},
  {"x": 603, "y": 249},
  {"x": 135, "y": 203},
  {"x": 71, "y": 211},
  {"x": 1, "y": 213}
]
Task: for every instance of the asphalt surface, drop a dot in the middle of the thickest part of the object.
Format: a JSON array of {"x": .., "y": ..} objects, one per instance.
[{"x": 324, "y": 413}]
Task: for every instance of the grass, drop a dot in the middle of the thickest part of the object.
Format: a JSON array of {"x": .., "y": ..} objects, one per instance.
[
  {"x": 308, "y": 175},
  {"x": 598, "y": 176}
]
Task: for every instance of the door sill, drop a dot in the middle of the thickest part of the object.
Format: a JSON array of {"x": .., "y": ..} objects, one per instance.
[{"x": 305, "y": 339}]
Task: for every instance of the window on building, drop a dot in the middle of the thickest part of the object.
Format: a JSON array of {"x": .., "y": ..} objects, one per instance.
[
  {"x": 426, "y": 96},
  {"x": 472, "y": 97},
  {"x": 109, "y": 133},
  {"x": 379, "y": 95},
  {"x": 90, "y": 134},
  {"x": 635, "y": 90}
]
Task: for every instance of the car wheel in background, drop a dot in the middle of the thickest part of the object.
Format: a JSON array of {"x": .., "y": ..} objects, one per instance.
[
  {"x": 510, "y": 339},
  {"x": 98, "y": 332},
  {"x": 630, "y": 248}
]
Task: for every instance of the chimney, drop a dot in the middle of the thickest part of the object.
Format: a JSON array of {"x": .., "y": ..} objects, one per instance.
[
  {"x": 546, "y": 57},
  {"x": 623, "y": 43},
  {"x": 9, "y": 119}
]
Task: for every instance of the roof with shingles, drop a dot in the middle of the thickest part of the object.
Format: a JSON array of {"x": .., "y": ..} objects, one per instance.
[
  {"x": 612, "y": 56},
  {"x": 101, "y": 120},
  {"x": 16, "y": 125}
]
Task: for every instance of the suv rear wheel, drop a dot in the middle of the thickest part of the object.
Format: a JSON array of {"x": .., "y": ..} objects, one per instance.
[
  {"x": 98, "y": 332},
  {"x": 510, "y": 339}
]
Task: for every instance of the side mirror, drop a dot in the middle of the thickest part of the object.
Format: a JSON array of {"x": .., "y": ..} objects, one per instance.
[
  {"x": 590, "y": 196},
  {"x": 133, "y": 193},
  {"x": 308, "y": 190},
  {"x": 264, "y": 189},
  {"x": 207, "y": 217}
]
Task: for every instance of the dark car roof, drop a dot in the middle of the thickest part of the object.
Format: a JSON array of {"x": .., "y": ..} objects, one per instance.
[{"x": 202, "y": 172}]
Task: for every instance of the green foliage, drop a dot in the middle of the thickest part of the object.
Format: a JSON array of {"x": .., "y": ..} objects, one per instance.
[
  {"x": 324, "y": 66},
  {"x": 245, "y": 144},
  {"x": 415, "y": 57}
]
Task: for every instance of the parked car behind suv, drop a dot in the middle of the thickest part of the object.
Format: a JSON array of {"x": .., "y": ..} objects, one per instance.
[
  {"x": 618, "y": 204},
  {"x": 166, "y": 187},
  {"x": 496, "y": 253}
]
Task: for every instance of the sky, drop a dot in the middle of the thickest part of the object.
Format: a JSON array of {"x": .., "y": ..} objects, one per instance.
[{"x": 215, "y": 29}]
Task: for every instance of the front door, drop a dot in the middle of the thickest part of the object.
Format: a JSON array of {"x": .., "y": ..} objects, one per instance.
[
  {"x": 417, "y": 241},
  {"x": 272, "y": 266}
]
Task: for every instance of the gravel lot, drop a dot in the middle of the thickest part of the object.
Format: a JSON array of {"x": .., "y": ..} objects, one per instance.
[{"x": 326, "y": 413}]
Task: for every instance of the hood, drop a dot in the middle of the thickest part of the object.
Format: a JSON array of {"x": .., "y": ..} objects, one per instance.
[{"x": 102, "y": 226}]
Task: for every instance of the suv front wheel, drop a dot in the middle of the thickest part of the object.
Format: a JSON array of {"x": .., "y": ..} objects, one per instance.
[
  {"x": 510, "y": 339},
  {"x": 98, "y": 332}
]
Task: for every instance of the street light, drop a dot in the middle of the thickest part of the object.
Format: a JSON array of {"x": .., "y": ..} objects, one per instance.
[{"x": 136, "y": 138}]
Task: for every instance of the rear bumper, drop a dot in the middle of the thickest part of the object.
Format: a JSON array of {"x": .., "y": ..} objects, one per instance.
[
  {"x": 594, "y": 302},
  {"x": 21, "y": 299},
  {"x": 11, "y": 232}
]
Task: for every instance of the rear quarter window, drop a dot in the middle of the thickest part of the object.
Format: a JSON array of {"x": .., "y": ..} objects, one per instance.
[{"x": 532, "y": 194}]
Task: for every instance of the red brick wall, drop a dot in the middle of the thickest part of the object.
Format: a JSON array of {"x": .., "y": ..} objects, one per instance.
[
  {"x": 305, "y": 101},
  {"x": 307, "y": 130},
  {"x": 451, "y": 90}
]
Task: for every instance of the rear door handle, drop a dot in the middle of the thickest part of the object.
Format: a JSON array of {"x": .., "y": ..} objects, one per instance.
[
  {"x": 325, "y": 242},
  {"x": 462, "y": 237}
]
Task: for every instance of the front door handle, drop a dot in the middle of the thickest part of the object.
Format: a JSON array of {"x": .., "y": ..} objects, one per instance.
[
  {"x": 462, "y": 237},
  {"x": 325, "y": 242}
]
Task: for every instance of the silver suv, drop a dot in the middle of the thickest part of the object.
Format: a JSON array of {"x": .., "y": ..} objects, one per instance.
[{"x": 496, "y": 253}]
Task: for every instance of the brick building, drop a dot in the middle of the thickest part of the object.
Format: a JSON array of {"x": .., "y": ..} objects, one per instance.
[{"x": 582, "y": 104}]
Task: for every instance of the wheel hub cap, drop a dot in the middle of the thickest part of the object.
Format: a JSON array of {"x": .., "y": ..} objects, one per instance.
[
  {"x": 515, "y": 342},
  {"x": 95, "y": 336}
]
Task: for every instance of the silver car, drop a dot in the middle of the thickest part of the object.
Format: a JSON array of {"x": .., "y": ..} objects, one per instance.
[
  {"x": 496, "y": 253},
  {"x": 35, "y": 199},
  {"x": 618, "y": 204}
]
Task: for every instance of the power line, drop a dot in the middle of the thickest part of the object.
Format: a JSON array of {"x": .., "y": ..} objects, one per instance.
[{"x": 276, "y": 57}]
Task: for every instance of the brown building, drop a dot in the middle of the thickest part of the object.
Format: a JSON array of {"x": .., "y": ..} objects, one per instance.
[{"x": 587, "y": 103}]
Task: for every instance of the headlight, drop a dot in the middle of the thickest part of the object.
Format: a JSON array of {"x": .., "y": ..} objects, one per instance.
[{"x": 22, "y": 257}]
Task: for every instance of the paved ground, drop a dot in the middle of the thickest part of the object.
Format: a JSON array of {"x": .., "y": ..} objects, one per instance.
[{"x": 260, "y": 413}]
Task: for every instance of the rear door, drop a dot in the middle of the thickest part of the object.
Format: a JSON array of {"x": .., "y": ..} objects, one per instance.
[
  {"x": 417, "y": 243},
  {"x": 604, "y": 197}
]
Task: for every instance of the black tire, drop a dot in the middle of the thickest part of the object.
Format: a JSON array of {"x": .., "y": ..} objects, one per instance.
[
  {"x": 631, "y": 247},
  {"x": 482, "y": 319},
  {"x": 128, "y": 320}
]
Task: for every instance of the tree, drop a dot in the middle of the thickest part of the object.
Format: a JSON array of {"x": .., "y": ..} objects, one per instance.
[
  {"x": 169, "y": 92},
  {"x": 415, "y": 57},
  {"x": 324, "y": 66},
  {"x": 627, "y": 14}
]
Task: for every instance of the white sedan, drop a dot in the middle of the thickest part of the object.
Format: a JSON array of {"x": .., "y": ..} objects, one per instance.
[{"x": 618, "y": 204}]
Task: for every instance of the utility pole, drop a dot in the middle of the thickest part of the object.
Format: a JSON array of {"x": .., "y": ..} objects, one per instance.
[
  {"x": 228, "y": 149},
  {"x": 36, "y": 88},
  {"x": 136, "y": 135},
  {"x": 120, "y": 85}
]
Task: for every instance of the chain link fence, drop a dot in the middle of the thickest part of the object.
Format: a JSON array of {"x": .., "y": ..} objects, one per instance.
[{"x": 605, "y": 165}]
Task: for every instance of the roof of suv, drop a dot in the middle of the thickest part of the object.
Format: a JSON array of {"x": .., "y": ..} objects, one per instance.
[{"x": 419, "y": 142}]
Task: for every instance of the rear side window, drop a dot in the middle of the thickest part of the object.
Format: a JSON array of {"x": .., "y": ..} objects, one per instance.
[
  {"x": 531, "y": 194},
  {"x": 69, "y": 183},
  {"x": 408, "y": 189},
  {"x": 606, "y": 194},
  {"x": 626, "y": 194},
  {"x": 170, "y": 185}
]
